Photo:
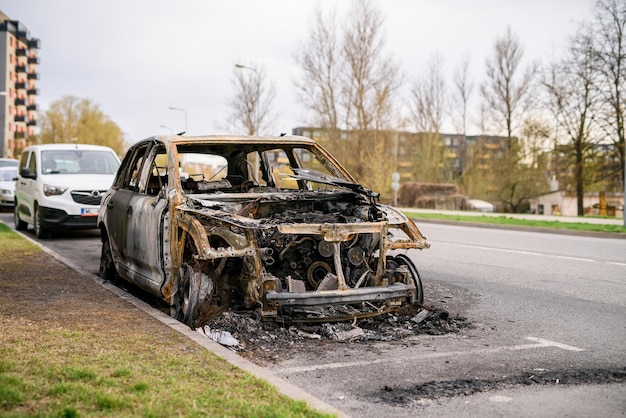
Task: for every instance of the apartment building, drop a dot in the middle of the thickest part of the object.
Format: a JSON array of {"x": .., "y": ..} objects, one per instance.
[
  {"x": 18, "y": 86},
  {"x": 459, "y": 150}
]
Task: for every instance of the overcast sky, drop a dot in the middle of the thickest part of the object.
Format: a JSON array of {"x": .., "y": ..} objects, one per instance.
[{"x": 136, "y": 58}]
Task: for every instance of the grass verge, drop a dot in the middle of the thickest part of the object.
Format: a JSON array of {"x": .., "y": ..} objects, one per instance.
[
  {"x": 505, "y": 220},
  {"x": 70, "y": 348}
]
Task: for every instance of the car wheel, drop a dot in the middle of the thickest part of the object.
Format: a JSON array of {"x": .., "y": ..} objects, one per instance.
[
  {"x": 20, "y": 225},
  {"x": 414, "y": 276},
  {"x": 40, "y": 232},
  {"x": 107, "y": 266},
  {"x": 193, "y": 300},
  {"x": 180, "y": 299}
]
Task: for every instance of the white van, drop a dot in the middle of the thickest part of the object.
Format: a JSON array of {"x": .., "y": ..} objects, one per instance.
[{"x": 59, "y": 186}]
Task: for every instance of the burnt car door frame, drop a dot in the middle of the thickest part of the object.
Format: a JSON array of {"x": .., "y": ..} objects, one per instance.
[{"x": 136, "y": 227}]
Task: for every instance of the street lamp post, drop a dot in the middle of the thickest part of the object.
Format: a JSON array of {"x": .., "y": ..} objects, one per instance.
[
  {"x": 245, "y": 67},
  {"x": 184, "y": 112},
  {"x": 168, "y": 128}
]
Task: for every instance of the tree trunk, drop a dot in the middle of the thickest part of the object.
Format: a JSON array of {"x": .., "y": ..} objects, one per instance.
[{"x": 578, "y": 174}]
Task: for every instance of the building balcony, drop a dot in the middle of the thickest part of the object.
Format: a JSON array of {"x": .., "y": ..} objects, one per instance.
[
  {"x": 33, "y": 76},
  {"x": 32, "y": 122},
  {"x": 32, "y": 107},
  {"x": 20, "y": 85},
  {"x": 20, "y": 135},
  {"x": 20, "y": 118},
  {"x": 20, "y": 68},
  {"x": 33, "y": 92},
  {"x": 20, "y": 102},
  {"x": 21, "y": 52},
  {"x": 33, "y": 60},
  {"x": 33, "y": 43}
]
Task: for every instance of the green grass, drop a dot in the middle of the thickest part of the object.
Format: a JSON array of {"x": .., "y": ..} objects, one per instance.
[
  {"x": 63, "y": 357},
  {"x": 9, "y": 240},
  {"x": 505, "y": 220}
]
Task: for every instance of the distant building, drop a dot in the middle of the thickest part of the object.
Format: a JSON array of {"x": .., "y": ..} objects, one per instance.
[
  {"x": 18, "y": 86},
  {"x": 564, "y": 203},
  {"x": 483, "y": 149}
]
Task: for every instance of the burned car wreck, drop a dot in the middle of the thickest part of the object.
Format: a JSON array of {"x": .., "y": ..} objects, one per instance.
[{"x": 276, "y": 224}]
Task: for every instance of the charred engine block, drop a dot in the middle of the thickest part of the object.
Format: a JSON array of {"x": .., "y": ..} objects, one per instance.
[{"x": 303, "y": 261}]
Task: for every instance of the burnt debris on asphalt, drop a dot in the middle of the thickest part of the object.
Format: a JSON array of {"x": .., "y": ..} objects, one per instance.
[
  {"x": 465, "y": 387},
  {"x": 252, "y": 337}
]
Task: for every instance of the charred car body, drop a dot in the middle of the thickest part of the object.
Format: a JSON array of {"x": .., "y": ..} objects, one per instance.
[{"x": 272, "y": 223}]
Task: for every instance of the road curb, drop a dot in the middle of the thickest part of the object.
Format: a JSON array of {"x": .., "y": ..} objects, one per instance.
[{"x": 233, "y": 358}]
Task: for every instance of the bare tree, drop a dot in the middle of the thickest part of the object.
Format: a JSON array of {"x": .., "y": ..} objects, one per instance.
[
  {"x": 609, "y": 28},
  {"x": 319, "y": 86},
  {"x": 506, "y": 95},
  {"x": 462, "y": 91},
  {"x": 536, "y": 134},
  {"x": 428, "y": 106},
  {"x": 428, "y": 97},
  {"x": 371, "y": 81},
  {"x": 253, "y": 100},
  {"x": 349, "y": 85},
  {"x": 506, "y": 90},
  {"x": 572, "y": 97}
]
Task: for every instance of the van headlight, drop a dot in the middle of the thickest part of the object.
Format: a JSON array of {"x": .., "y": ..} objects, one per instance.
[{"x": 50, "y": 190}]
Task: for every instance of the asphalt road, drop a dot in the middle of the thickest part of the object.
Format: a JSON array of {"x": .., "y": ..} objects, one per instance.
[{"x": 544, "y": 307}]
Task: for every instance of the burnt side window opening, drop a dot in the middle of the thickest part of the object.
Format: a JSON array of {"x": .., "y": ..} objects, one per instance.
[
  {"x": 129, "y": 177},
  {"x": 158, "y": 177}
]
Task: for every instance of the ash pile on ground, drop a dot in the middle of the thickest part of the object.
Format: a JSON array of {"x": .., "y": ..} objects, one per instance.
[
  {"x": 266, "y": 340},
  {"x": 464, "y": 387}
]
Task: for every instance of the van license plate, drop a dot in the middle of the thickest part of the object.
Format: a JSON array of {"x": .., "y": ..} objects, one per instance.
[{"x": 89, "y": 212}]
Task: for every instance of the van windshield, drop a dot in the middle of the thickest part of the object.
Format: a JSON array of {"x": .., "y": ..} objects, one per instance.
[{"x": 78, "y": 162}]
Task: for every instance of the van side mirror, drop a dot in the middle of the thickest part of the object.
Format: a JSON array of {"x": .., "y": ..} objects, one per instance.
[{"x": 24, "y": 172}]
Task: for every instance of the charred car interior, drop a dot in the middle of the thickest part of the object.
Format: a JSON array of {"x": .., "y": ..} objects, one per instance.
[{"x": 276, "y": 224}]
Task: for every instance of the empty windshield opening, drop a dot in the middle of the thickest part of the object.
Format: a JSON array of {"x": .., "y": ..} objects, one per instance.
[
  {"x": 78, "y": 162},
  {"x": 246, "y": 167}
]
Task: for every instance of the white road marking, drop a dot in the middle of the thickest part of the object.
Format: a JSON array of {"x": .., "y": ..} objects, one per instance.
[
  {"x": 500, "y": 399},
  {"x": 538, "y": 343},
  {"x": 534, "y": 253},
  {"x": 548, "y": 343}
]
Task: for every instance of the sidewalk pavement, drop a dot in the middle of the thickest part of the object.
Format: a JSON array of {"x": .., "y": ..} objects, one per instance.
[{"x": 197, "y": 336}]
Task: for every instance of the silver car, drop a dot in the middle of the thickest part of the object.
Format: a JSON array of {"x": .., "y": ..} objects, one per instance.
[
  {"x": 270, "y": 223},
  {"x": 8, "y": 175}
]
